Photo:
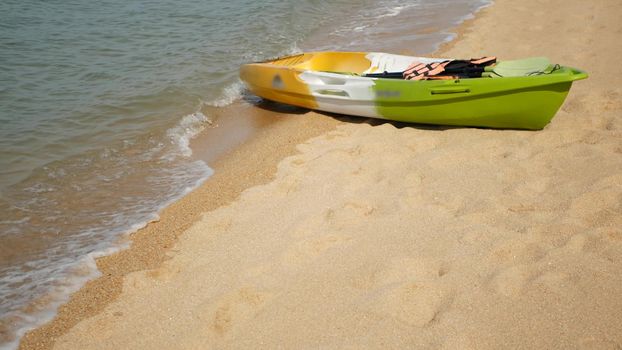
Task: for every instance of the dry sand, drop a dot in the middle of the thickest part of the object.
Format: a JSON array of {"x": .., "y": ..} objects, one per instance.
[{"x": 385, "y": 237}]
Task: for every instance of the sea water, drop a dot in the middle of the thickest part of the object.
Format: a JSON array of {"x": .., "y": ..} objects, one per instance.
[{"x": 99, "y": 100}]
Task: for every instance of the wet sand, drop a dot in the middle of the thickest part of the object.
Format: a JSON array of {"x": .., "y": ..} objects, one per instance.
[
  {"x": 318, "y": 232},
  {"x": 250, "y": 164}
]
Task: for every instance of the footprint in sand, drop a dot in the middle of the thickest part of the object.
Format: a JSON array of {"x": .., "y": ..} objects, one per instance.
[
  {"x": 512, "y": 281},
  {"x": 235, "y": 308},
  {"x": 360, "y": 209},
  {"x": 558, "y": 282},
  {"x": 613, "y": 100},
  {"x": 289, "y": 184},
  {"x": 411, "y": 291},
  {"x": 348, "y": 213},
  {"x": 297, "y": 161},
  {"x": 533, "y": 186},
  {"x": 526, "y": 269},
  {"x": 310, "y": 249},
  {"x": 576, "y": 243},
  {"x": 416, "y": 303},
  {"x": 164, "y": 273},
  {"x": 521, "y": 250},
  {"x": 598, "y": 208},
  {"x": 614, "y": 235}
]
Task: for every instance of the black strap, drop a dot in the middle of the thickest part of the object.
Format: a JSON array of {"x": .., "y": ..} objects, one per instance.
[{"x": 385, "y": 74}]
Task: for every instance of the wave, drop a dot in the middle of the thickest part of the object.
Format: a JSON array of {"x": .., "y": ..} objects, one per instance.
[
  {"x": 162, "y": 167},
  {"x": 81, "y": 272},
  {"x": 189, "y": 126},
  {"x": 228, "y": 95}
]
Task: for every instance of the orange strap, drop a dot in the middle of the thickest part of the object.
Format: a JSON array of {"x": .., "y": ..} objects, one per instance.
[
  {"x": 483, "y": 60},
  {"x": 420, "y": 71}
]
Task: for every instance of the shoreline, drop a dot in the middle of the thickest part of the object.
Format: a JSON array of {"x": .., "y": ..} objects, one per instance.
[{"x": 152, "y": 246}]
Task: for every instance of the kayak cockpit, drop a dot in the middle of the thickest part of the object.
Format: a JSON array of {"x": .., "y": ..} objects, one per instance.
[
  {"x": 391, "y": 66},
  {"x": 337, "y": 62}
]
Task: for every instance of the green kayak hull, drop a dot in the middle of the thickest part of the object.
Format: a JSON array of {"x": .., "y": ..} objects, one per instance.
[{"x": 517, "y": 102}]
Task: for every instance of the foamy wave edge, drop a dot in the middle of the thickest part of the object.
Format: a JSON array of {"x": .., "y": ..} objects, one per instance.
[
  {"x": 229, "y": 94},
  {"x": 82, "y": 272},
  {"x": 235, "y": 90},
  {"x": 85, "y": 270}
]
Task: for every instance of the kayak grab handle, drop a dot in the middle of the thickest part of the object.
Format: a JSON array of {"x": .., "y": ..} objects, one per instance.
[
  {"x": 449, "y": 90},
  {"x": 333, "y": 92}
]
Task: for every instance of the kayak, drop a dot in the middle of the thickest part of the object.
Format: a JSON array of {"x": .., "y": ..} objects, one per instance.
[{"x": 519, "y": 94}]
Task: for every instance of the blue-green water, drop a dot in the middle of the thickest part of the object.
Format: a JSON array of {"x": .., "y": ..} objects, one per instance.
[{"x": 99, "y": 99}]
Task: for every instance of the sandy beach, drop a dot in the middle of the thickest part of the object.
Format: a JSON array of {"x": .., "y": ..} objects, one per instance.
[{"x": 324, "y": 232}]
